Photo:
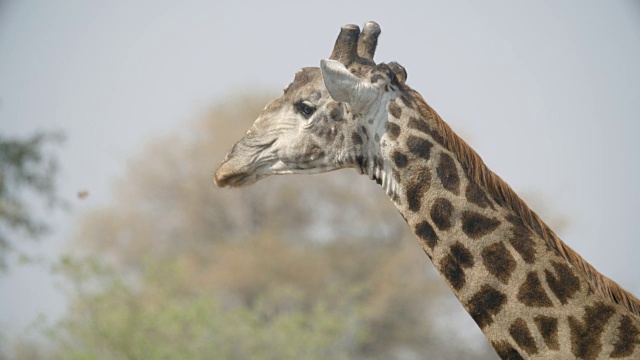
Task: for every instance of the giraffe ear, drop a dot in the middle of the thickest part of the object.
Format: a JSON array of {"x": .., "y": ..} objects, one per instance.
[
  {"x": 343, "y": 86},
  {"x": 340, "y": 83}
]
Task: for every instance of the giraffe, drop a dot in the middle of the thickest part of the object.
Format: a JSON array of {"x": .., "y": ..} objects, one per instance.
[{"x": 531, "y": 295}]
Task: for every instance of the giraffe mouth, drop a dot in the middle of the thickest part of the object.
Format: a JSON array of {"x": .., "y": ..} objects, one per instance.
[
  {"x": 227, "y": 177},
  {"x": 233, "y": 180}
]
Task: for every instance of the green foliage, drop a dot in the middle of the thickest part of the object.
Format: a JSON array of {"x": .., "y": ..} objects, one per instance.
[
  {"x": 159, "y": 320},
  {"x": 25, "y": 167}
]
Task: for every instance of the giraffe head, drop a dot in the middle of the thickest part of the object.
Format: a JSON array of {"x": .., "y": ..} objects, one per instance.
[{"x": 328, "y": 118}]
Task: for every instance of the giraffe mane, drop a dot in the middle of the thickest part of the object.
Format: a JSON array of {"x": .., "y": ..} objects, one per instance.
[{"x": 478, "y": 172}]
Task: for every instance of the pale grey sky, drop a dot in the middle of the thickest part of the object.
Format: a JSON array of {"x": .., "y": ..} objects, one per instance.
[{"x": 547, "y": 92}]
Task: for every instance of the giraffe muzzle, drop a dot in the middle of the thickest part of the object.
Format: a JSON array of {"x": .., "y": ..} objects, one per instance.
[
  {"x": 228, "y": 175},
  {"x": 224, "y": 177},
  {"x": 247, "y": 162}
]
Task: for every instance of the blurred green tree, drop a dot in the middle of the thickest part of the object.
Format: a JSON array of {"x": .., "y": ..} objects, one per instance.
[
  {"x": 299, "y": 268},
  {"x": 163, "y": 320},
  {"x": 26, "y": 168}
]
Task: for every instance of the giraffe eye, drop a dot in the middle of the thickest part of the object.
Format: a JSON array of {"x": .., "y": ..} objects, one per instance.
[{"x": 305, "y": 108}]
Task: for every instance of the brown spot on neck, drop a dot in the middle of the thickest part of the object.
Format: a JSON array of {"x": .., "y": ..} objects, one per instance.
[
  {"x": 393, "y": 131},
  {"x": 520, "y": 333},
  {"x": 419, "y": 125},
  {"x": 531, "y": 292},
  {"x": 399, "y": 159},
  {"x": 406, "y": 100},
  {"x": 452, "y": 266},
  {"x": 394, "y": 109},
  {"x": 564, "y": 283},
  {"x": 476, "y": 196},
  {"x": 586, "y": 334},
  {"x": 485, "y": 304},
  {"x": 419, "y": 147},
  {"x": 448, "y": 173},
  {"x": 476, "y": 225},
  {"x": 521, "y": 240},
  {"x": 419, "y": 184},
  {"x": 628, "y": 338},
  {"x": 426, "y": 233},
  {"x": 498, "y": 261},
  {"x": 422, "y": 126},
  {"x": 441, "y": 212},
  {"x": 548, "y": 328}
]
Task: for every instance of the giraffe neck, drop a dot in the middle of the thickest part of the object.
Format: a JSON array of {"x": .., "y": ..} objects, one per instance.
[{"x": 528, "y": 300}]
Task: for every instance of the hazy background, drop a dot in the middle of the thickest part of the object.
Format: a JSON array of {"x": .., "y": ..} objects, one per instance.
[{"x": 548, "y": 93}]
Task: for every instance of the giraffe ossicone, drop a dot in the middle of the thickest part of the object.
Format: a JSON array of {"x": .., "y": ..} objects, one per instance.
[{"x": 530, "y": 294}]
